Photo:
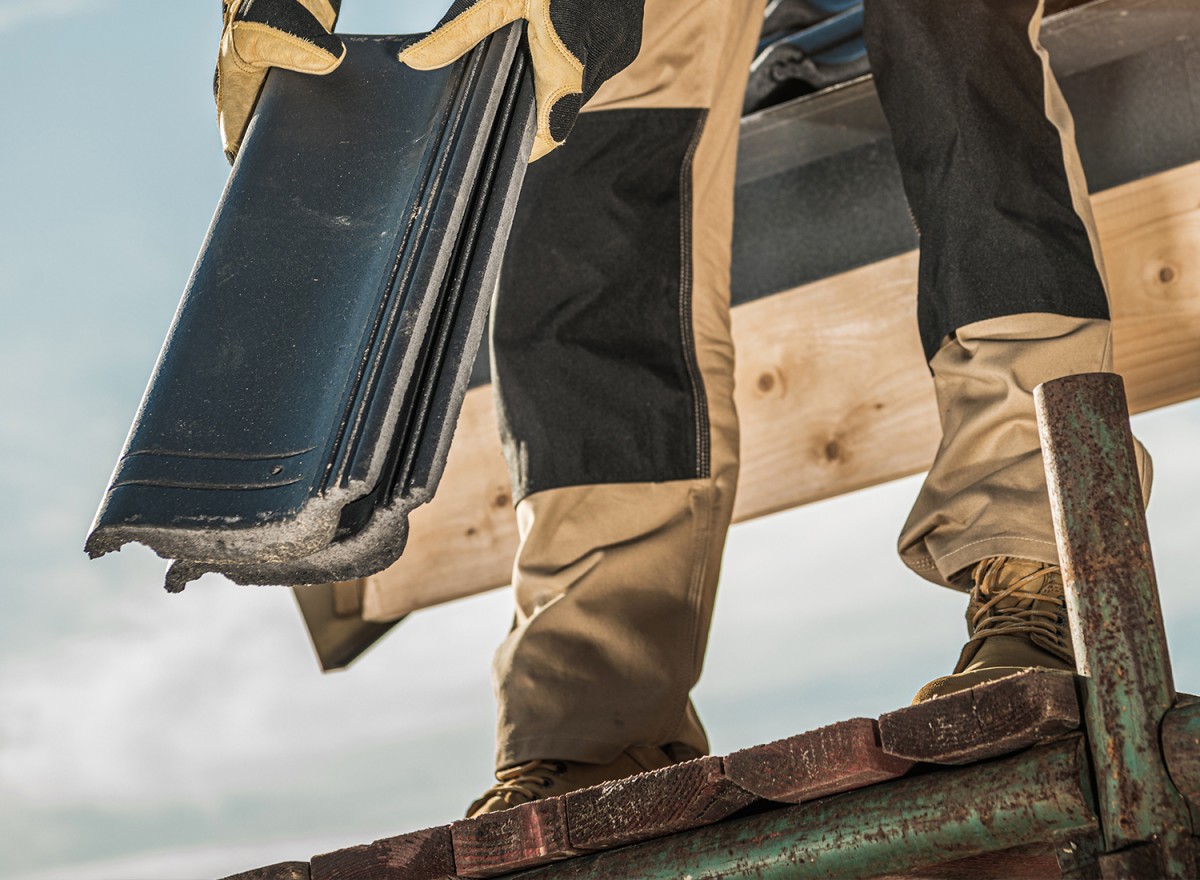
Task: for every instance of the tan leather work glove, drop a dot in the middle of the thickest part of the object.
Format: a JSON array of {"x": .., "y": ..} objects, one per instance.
[
  {"x": 259, "y": 35},
  {"x": 576, "y": 46}
]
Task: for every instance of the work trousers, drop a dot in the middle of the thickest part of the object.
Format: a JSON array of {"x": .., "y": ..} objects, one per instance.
[{"x": 613, "y": 363}]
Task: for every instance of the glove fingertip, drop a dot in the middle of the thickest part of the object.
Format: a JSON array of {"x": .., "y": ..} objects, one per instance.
[
  {"x": 465, "y": 26},
  {"x": 337, "y": 62},
  {"x": 542, "y": 146},
  {"x": 563, "y": 115},
  {"x": 419, "y": 57}
]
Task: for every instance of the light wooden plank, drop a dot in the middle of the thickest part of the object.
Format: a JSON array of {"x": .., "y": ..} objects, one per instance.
[{"x": 833, "y": 391}]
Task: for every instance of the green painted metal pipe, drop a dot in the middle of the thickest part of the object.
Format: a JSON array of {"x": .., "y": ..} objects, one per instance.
[
  {"x": 1113, "y": 606},
  {"x": 914, "y": 822}
]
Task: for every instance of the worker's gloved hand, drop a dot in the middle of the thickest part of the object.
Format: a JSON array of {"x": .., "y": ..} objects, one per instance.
[
  {"x": 259, "y": 35},
  {"x": 576, "y": 46}
]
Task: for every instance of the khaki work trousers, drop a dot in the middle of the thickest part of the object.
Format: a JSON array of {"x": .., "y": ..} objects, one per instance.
[
  {"x": 617, "y": 567},
  {"x": 615, "y": 581}
]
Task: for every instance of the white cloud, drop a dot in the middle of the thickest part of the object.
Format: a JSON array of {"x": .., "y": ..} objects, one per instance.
[
  {"x": 191, "y": 705},
  {"x": 196, "y": 697},
  {"x": 17, "y": 13},
  {"x": 209, "y": 861}
]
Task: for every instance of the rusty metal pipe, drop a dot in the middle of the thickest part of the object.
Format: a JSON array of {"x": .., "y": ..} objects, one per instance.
[{"x": 1113, "y": 606}]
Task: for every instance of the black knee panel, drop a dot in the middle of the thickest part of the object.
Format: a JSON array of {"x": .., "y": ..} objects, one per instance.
[
  {"x": 593, "y": 360},
  {"x": 984, "y": 163}
]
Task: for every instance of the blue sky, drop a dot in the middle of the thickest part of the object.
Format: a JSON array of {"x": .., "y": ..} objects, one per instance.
[{"x": 152, "y": 736}]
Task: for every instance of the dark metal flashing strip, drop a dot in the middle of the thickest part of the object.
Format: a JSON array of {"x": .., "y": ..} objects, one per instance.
[{"x": 819, "y": 190}]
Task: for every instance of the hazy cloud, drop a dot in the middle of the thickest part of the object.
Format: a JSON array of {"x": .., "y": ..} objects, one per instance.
[{"x": 17, "y": 13}]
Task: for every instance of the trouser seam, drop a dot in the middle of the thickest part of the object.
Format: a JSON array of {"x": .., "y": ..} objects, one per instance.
[
  {"x": 695, "y": 595},
  {"x": 991, "y": 539},
  {"x": 686, "y": 318}
]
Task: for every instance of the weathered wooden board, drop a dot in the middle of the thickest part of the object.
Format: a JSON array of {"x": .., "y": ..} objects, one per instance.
[
  {"x": 523, "y": 837},
  {"x": 833, "y": 759},
  {"x": 675, "y": 798},
  {"x": 421, "y": 855},
  {"x": 985, "y": 721},
  {"x": 1181, "y": 748},
  {"x": 922, "y": 819},
  {"x": 1136, "y": 863},
  {"x": 826, "y": 408}
]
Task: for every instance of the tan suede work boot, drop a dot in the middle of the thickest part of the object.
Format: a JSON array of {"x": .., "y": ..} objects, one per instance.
[
  {"x": 535, "y": 780},
  {"x": 1017, "y": 619}
]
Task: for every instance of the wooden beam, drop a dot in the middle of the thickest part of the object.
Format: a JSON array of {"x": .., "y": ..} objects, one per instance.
[
  {"x": 991, "y": 719},
  {"x": 421, "y": 855},
  {"x": 666, "y": 801},
  {"x": 524, "y": 836},
  {"x": 833, "y": 391},
  {"x": 816, "y": 764}
]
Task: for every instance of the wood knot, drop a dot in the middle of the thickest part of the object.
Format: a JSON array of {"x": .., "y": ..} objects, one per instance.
[
  {"x": 1165, "y": 276},
  {"x": 769, "y": 384},
  {"x": 833, "y": 450}
]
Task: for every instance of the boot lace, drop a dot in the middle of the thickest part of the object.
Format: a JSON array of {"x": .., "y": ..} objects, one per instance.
[
  {"x": 523, "y": 779},
  {"x": 1020, "y": 608}
]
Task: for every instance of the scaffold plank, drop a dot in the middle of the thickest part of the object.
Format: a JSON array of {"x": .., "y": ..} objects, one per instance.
[
  {"x": 522, "y": 837},
  {"x": 833, "y": 759},
  {"x": 667, "y": 801},
  {"x": 421, "y": 855},
  {"x": 985, "y": 721}
]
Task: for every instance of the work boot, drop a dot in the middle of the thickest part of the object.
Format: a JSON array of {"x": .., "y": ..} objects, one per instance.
[
  {"x": 539, "y": 779},
  {"x": 1017, "y": 619}
]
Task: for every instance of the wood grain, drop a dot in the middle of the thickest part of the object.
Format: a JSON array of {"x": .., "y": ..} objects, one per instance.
[
  {"x": 421, "y": 855},
  {"x": 833, "y": 759},
  {"x": 1136, "y": 863},
  {"x": 985, "y": 721},
  {"x": 653, "y": 804},
  {"x": 833, "y": 391},
  {"x": 499, "y": 843},
  {"x": 1181, "y": 747}
]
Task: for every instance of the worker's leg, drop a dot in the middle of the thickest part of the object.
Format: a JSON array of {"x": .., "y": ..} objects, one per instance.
[
  {"x": 1012, "y": 289},
  {"x": 613, "y": 369}
]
